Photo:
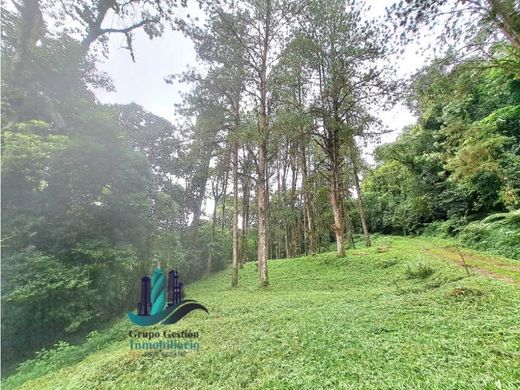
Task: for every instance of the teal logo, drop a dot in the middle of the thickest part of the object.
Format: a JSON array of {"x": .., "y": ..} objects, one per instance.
[{"x": 154, "y": 308}]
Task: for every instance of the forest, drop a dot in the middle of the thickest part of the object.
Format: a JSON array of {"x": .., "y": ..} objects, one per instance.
[{"x": 270, "y": 156}]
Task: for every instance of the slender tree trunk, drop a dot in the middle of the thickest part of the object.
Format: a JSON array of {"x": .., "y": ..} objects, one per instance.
[
  {"x": 350, "y": 229},
  {"x": 262, "y": 209},
  {"x": 200, "y": 188},
  {"x": 305, "y": 232},
  {"x": 197, "y": 211},
  {"x": 262, "y": 152},
  {"x": 224, "y": 192},
  {"x": 360, "y": 204},
  {"x": 245, "y": 210},
  {"x": 269, "y": 242},
  {"x": 293, "y": 219},
  {"x": 280, "y": 232},
  {"x": 209, "y": 264},
  {"x": 309, "y": 226},
  {"x": 234, "y": 278},
  {"x": 336, "y": 200},
  {"x": 339, "y": 228},
  {"x": 286, "y": 241},
  {"x": 245, "y": 229}
]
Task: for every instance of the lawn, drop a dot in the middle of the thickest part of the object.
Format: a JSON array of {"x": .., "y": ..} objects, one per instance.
[{"x": 403, "y": 314}]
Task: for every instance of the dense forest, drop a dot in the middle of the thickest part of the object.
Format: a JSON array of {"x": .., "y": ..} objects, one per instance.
[{"x": 267, "y": 159}]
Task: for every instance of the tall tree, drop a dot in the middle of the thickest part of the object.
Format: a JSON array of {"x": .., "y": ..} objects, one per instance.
[
  {"x": 206, "y": 131},
  {"x": 355, "y": 160},
  {"x": 470, "y": 28},
  {"x": 246, "y": 178},
  {"x": 344, "y": 49},
  {"x": 95, "y": 20},
  {"x": 226, "y": 79},
  {"x": 260, "y": 28}
]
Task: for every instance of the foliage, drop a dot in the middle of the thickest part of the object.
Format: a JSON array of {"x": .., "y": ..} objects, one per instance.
[
  {"x": 62, "y": 353},
  {"x": 497, "y": 233},
  {"x": 463, "y": 29},
  {"x": 87, "y": 197},
  {"x": 460, "y": 162}
]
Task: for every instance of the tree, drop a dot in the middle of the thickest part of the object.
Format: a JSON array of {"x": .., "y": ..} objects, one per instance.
[
  {"x": 343, "y": 49},
  {"x": 459, "y": 161},
  {"x": 226, "y": 81},
  {"x": 355, "y": 158},
  {"x": 90, "y": 19},
  {"x": 76, "y": 198},
  {"x": 292, "y": 86},
  {"x": 471, "y": 27},
  {"x": 259, "y": 27}
]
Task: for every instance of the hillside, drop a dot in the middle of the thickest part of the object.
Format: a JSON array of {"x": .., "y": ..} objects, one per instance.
[{"x": 403, "y": 314}]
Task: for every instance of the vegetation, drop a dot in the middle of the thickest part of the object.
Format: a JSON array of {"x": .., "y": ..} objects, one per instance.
[
  {"x": 266, "y": 161},
  {"x": 80, "y": 203},
  {"x": 459, "y": 162},
  {"x": 497, "y": 233},
  {"x": 348, "y": 322}
]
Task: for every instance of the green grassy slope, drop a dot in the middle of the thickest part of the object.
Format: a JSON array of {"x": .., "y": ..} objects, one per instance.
[{"x": 399, "y": 315}]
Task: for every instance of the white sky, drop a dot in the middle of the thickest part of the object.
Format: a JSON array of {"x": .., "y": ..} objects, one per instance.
[{"x": 143, "y": 82}]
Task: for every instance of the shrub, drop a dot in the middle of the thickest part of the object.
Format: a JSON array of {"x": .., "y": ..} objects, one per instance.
[
  {"x": 420, "y": 271},
  {"x": 445, "y": 229},
  {"x": 497, "y": 233}
]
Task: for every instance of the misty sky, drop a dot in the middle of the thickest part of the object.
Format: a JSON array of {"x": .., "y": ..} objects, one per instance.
[{"x": 143, "y": 82}]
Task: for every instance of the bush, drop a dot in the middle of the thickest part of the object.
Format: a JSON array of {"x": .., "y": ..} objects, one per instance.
[
  {"x": 497, "y": 233},
  {"x": 445, "y": 229},
  {"x": 420, "y": 271}
]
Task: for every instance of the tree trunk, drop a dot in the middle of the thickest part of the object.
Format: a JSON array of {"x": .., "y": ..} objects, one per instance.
[
  {"x": 234, "y": 262},
  {"x": 245, "y": 211},
  {"x": 209, "y": 265},
  {"x": 286, "y": 242},
  {"x": 350, "y": 229},
  {"x": 360, "y": 204},
  {"x": 245, "y": 229},
  {"x": 309, "y": 219},
  {"x": 197, "y": 211},
  {"x": 262, "y": 151},
  {"x": 224, "y": 192},
  {"x": 505, "y": 20},
  {"x": 200, "y": 189},
  {"x": 293, "y": 220},
  {"x": 262, "y": 210},
  {"x": 337, "y": 204}
]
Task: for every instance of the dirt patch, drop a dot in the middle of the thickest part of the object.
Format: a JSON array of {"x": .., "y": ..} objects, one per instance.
[
  {"x": 463, "y": 291},
  {"x": 383, "y": 248},
  {"x": 476, "y": 262}
]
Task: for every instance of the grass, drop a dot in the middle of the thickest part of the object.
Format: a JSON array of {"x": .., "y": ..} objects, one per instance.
[
  {"x": 421, "y": 271},
  {"x": 359, "y": 322}
]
